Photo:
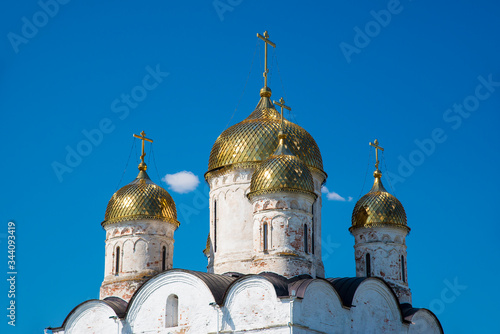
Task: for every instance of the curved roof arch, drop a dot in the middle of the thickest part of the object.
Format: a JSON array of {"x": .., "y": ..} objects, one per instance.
[
  {"x": 220, "y": 287},
  {"x": 118, "y": 305}
]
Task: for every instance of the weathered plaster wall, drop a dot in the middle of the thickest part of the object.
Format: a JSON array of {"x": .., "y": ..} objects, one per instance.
[
  {"x": 232, "y": 244},
  {"x": 385, "y": 245},
  {"x": 321, "y": 310},
  {"x": 318, "y": 178},
  {"x": 140, "y": 245},
  {"x": 147, "y": 313},
  {"x": 92, "y": 317},
  {"x": 230, "y": 221},
  {"x": 282, "y": 222},
  {"x": 252, "y": 306},
  {"x": 424, "y": 322},
  {"x": 375, "y": 310}
]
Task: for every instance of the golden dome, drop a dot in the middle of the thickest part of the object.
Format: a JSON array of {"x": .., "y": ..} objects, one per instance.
[
  {"x": 283, "y": 171},
  {"x": 254, "y": 139},
  {"x": 141, "y": 199},
  {"x": 378, "y": 208}
]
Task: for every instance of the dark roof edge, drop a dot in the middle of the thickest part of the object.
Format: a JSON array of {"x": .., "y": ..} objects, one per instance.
[
  {"x": 200, "y": 275},
  {"x": 300, "y": 283},
  {"x": 411, "y": 311},
  {"x": 110, "y": 304}
]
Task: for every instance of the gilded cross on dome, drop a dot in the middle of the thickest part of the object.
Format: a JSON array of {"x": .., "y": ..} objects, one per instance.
[
  {"x": 281, "y": 103},
  {"x": 266, "y": 40},
  {"x": 142, "y": 165},
  {"x": 377, "y": 147},
  {"x": 282, "y": 147}
]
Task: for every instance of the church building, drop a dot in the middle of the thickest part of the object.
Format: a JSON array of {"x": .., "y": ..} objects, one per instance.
[{"x": 264, "y": 267}]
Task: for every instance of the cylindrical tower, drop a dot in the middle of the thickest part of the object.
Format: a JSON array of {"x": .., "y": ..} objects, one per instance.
[
  {"x": 237, "y": 152},
  {"x": 282, "y": 195},
  {"x": 140, "y": 222},
  {"x": 379, "y": 229}
]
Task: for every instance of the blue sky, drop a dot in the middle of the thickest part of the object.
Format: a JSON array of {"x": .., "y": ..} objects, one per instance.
[{"x": 422, "y": 77}]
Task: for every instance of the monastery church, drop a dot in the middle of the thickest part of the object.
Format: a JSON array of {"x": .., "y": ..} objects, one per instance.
[{"x": 265, "y": 273}]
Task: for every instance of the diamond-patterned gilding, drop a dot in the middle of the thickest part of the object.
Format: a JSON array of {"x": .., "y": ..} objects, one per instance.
[
  {"x": 254, "y": 140},
  {"x": 378, "y": 207},
  {"x": 281, "y": 173},
  {"x": 141, "y": 199}
]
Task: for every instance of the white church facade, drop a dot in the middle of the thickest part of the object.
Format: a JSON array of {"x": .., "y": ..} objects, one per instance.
[{"x": 265, "y": 273}]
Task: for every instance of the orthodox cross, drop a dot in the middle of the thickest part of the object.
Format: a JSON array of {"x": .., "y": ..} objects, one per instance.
[
  {"x": 281, "y": 103},
  {"x": 266, "y": 40},
  {"x": 143, "y": 138},
  {"x": 375, "y": 144}
]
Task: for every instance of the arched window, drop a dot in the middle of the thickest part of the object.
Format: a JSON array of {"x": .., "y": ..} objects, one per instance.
[
  {"x": 403, "y": 276},
  {"x": 368, "y": 265},
  {"x": 117, "y": 260},
  {"x": 215, "y": 226},
  {"x": 306, "y": 241},
  {"x": 172, "y": 311},
  {"x": 264, "y": 237},
  {"x": 164, "y": 258},
  {"x": 312, "y": 229}
]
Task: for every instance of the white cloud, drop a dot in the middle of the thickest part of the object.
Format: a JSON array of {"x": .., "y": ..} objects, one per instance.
[
  {"x": 333, "y": 196},
  {"x": 182, "y": 182}
]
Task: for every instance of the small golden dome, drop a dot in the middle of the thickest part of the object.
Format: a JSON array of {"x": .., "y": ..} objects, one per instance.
[
  {"x": 254, "y": 139},
  {"x": 141, "y": 199},
  {"x": 378, "y": 208},
  {"x": 283, "y": 171}
]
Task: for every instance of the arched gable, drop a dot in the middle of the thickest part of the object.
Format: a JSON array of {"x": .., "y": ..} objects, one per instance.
[
  {"x": 95, "y": 316},
  {"x": 320, "y": 307},
  {"x": 250, "y": 302},
  {"x": 375, "y": 309},
  {"x": 424, "y": 321},
  {"x": 148, "y": 307}
]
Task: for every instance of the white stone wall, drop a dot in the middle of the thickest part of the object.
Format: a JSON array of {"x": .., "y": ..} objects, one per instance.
[
  {"x": 233, "y": 243},
  {"x": 148, "y": 311},
  {"x": 92, "y": 317},
  {"x": 140, "y": 245},
  {"x": 252, "y": 306},
  {"x": 385, "y": 245},
  {"x": 375, "y": 310},
  {"x": 319, "y": 179},
  {"x": 424, "y": 322},
  {"x": 321, "y": 309},
  {"x": 282, "y": 219}
]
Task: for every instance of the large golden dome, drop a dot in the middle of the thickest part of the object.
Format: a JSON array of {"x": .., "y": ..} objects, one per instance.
[
  {"x": 283, "y": 171},
  {"x": 254, "y": 139},
  {"x": 378, "y": 208},
  {"x": 141, "y": 199}
]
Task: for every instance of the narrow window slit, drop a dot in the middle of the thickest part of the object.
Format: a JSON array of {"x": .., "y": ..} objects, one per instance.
[
  {"x": 164, "y": 259},
  {"x": 117, "y": 261},
  {"x": 306, "y": 240},
  {"x": 312, "y": 228},
  {"x": 264, "y": 236},
  {"x": 368, "y": 265},
  {"x": 215, "y": 226},
  {"x": 403, "y": 276}
]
